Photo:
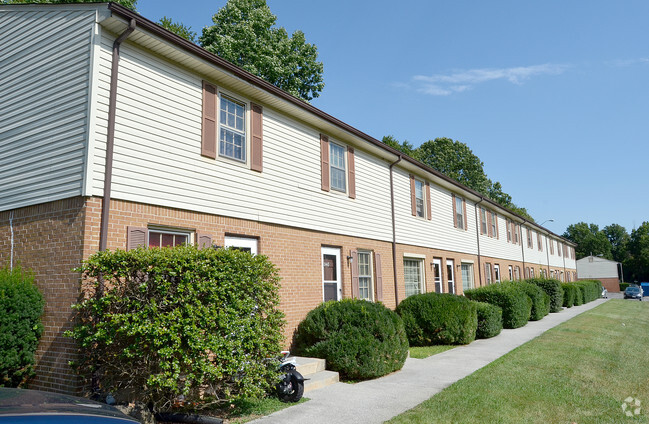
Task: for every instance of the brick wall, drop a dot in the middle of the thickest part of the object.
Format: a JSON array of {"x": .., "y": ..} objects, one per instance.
[{"x": 48, "y": 239}]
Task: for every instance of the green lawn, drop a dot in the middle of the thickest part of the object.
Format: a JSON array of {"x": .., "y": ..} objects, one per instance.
[
  {"x": 421, "y": 352},
  {"x": 579, "y": 372}
]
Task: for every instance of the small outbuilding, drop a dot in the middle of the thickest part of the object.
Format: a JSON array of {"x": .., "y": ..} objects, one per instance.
[{"x": 597, "y": 268}]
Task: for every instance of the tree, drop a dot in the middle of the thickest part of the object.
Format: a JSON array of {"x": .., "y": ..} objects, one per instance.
[
  {"x": 639, "y": 251},
  {"x": 590, "y": 240},
  {"x": 178, "y": 29},
  {"x": 619, "y": 239},
  {"x": 406, "y": 147},
  {"x": 126, "y": 3},
  {"x": 244, "y": 34}
]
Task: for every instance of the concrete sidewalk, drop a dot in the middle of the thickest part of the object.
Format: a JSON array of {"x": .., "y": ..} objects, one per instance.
[{"x": 376, "y": 401}]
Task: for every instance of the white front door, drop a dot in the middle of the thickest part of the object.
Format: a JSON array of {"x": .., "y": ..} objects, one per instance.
[
  {"x": 450, "y": 275},
  {"x": 437, "y": 268},
  {"x": 331, "y": 287}
]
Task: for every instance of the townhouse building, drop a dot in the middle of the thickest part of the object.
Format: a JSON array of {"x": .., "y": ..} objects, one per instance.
[{"x": 115, "y": 133}]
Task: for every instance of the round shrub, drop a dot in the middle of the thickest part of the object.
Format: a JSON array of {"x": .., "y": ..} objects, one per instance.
[
  {"x": 490, "y": 320},
  {"x": 623, "y": 286},
  {"x": 553, "y": 289},
  {"x": 438, "y": 318},
  {"x": 199, "y": 323},
  {"x": 540, "y": 300},
  {"x": 359, "y": 339},
  {"x": 513, "y": 301},
  {"x": 569, "y": 294},
  {"x": 21, "y": 307}
]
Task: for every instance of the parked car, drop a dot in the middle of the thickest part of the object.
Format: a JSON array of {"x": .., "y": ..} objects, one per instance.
[
  {"x": 633, "y": 292},
  {"x": 36, "y": 407}
]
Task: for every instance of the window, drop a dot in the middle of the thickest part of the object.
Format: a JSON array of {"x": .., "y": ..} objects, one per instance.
[
  {"x": 487, "y": 272},
  {"x": 497, "y": 273},
  {"x": 494, "y": 224},
  {"x": 516, "y": 235},
  {"x": 458, "y": 211},
  {"x": 531, "y": 272},
  {"x": 539, "y": 240},
  {"x": 437, "y": 268},
  {"x": 232, "y": 129},
  {"x": 365, "y": 289},
  {"x": 530, "y": 244},
  {"x": 467, "y": 276},
  {"x": 517, "y": 273},
  {"x": 450, "y": 275},
  {"x": 419, "y": 198},
  {"x": 483, "y": 221},
  {"x": 509, "y": 231},
  {"x": 511, "y": 273},
  {"x": 167, "y": 238},
  {"x": 245, "y": 244},
  {"x": 559, "y": 246},
  {"x": 337, "y": 168},
  {"x": 551, "y": 246},
  {"x": 414, "y": 276},
  {"x": 527, "y": 272},
  {"x": 157, "y": 236}
]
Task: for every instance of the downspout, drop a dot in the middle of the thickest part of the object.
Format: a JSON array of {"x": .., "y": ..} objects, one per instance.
[
  {"x": 110, "y": 138},
  {"x": 520, "y": 238},
  {"x": 547, "y": 252},
  {"x": 11, "y": 229},
  {"x": 394, "y": 235},
  {"x": 477, "y": 234}
]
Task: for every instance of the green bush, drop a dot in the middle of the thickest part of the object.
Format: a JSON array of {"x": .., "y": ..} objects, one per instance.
[
  {"x": 490, "y": 320},
  {"x": 540, "y": 300},
  {"x": 623, "y": 286},
  {"x": 553, "y": 289},
  {"x": 514, "y": 302},
  {"x": 579, "y": 294},
  {"x": 591, "y": 289},
  {"x": 21, "y": 307},
  {"x": 569, "y": 294},
  {"x": 438, "y": 319},
  {"x": 179, "y": 321},
  {"x": 359, "y": 339}
]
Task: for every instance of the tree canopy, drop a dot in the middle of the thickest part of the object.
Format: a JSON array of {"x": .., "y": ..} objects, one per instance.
[
  {"x": 245, "y": 34},
  {"x": 456, "y": 160},
  {"x": 590, "y": 240},
  {"x": 178, "y": 29}
]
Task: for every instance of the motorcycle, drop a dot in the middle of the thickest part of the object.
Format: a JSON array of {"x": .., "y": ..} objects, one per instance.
[{"x": 291, "y": 386}]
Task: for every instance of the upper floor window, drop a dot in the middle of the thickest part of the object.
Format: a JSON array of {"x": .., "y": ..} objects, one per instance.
[
  {"x": 558, "y": 248},
  {"x": 458, "y": 210},
  {"x": 494, "y": 224},
  {"x": 530, "y": 243},
  {"x": 232, "y": 129},
  {"x": 419, "y": 198},
  {"x": 509, "y": 231},
  {"x": 337, "y": 168},
  {"x": 483, "y": 221},
  {"x": 539, "y": 239}
]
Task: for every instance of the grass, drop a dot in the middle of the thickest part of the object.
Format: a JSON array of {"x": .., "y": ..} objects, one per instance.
[
  {"x": 250, "y": 409},
  {"x": 421, "y": 352},
  {"x": 578, "y": 372}
]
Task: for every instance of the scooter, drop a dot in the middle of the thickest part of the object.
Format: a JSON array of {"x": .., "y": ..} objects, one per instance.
[{"x": 291, "y": 387}]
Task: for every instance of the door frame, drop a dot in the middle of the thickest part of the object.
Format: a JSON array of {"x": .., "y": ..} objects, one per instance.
[{"x": 334, "y": 251}]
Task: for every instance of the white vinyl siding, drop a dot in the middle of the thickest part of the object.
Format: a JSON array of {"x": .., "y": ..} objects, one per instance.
[{"x": 45, "y": 84}]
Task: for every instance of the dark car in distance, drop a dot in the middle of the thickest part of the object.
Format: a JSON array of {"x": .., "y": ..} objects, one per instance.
[
  {"x": 20, "y": 406},
  {"x": 633, "y": 292}
]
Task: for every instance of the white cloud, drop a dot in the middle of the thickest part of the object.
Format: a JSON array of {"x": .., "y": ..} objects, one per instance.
[
  {"x": 623, "y": 63},
  {"x": 459, "y": 81}
]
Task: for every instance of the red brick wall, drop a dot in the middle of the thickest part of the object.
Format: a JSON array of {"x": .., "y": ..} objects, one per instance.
[
  {"x": 610, "y": 284},
  {"x": 48, "y": 239}
]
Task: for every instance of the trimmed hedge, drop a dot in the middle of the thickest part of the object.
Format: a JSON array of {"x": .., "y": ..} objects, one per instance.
[
  {"x": 490, "y": 320},
  {"x": 569, "y": 294},
  {"x": 579, "y": 294},
  {"x": 540, "y": 300},
  {"x": 199, "y": 323},
  {"x": 592, "y": 289},
  {"x": 438, "y": 318},
  {"x": 553, "y": 289},
  {"x": 623, "y": 286},
  {"x": 21, "y": 307},
  {"x": 359, "y": 339},
  {"x": 515, "y": 304}
]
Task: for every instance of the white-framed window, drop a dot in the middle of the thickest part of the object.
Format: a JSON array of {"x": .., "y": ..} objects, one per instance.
[
  {"x": 337, "y": 167},
  {"x": 450, "y": 275},
  {"x": 487, "y": 272},
  {"x": 517, "y": 272},
  {"x": 165, "y": 237},
  {"x": 413, "y": 270},
  {"x": 246, "y": 244},
  {"x": 516, "y": 235},
  {"x": 420, "y": 198},
  {"x": 494, "y": 224},
  {"x": 509, "y": 231},
  {"x": 467, "y": 275},
  {"x": 559, "y": 246},
  {"x": 365, "y": 282},
  {"x": 531, "y": 272},
  {"x": 459, "y": 212},
  {"x": 530, "y": 243},
  {"x": 483, "y": 221},
  {"x": 437, "y": 269},
  {"x": 232, "y": 128},
  {"x": 511, "y": 273},
  {"x": 539, "y": 240},
  {"x": 497, "y": 273}
]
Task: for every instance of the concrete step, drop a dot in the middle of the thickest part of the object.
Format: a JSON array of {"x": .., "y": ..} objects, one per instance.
[
  {"x": 308, "y": 366},
  {"x": 319, "y": 380}
]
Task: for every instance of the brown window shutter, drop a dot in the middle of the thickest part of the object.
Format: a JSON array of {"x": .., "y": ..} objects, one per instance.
[
  {"x": 203, "y": 240},
  {"x": 378, "y": 273},
  {"x": 208, "y": 133},
  {"x": 429, "y": 208},
  {"x": 136, "y": 237},
  {"x": 324, "y": 161},
  {"x": 351, "y": 183},
  {"x": 497, "y": 231},
  {"x": 480, "y": 219},
  {"x": 257, "y": 142},
  {"x": 466, "y": 221},
  {"x": 490, "y": 232},
  {"x": 413, "y": 200},
  {"x": 355, "y": 291},
  {"x": 454, "y": 212}
]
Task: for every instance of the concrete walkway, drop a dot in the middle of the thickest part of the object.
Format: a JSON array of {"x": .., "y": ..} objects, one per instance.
[{"x": 376, "y": 401}]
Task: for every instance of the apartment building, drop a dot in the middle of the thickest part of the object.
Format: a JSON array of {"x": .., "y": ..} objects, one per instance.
[{"x": 116, "y": 133}]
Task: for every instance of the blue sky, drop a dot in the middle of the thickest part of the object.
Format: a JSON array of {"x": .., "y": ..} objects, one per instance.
[{"x": 553, "y": 96}]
